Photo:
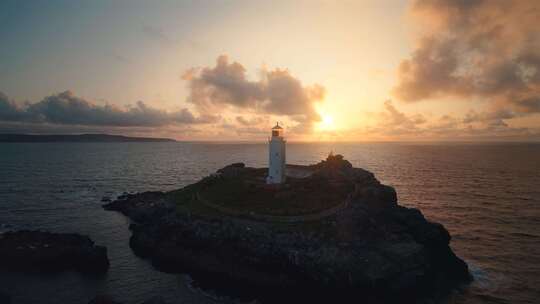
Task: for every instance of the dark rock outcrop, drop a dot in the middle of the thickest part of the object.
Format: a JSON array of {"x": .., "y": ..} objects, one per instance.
[
  {"x": 39, "y": 251},
  {"x": 5, "y": 298},
  {"x": 142, "y": 207},
  {"x": 373, "y": 250},
  {"x": 231, "y": 170},
  {"x": 155, "y": 300},
  {"x": 105, "y": 299}
]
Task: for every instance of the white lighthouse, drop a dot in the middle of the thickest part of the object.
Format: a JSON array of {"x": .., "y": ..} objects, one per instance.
[{"x": 276, "y": 166}]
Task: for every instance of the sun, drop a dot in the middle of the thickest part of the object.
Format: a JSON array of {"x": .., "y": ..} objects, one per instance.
[
  {"x": 326, "y": 123},
  {"x": 328, "y": 120}
]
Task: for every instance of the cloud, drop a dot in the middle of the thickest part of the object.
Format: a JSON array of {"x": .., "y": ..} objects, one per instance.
[
  {"x": 475, "y": 49},
  {"x": 446, "y": 125},
  {"x": 494, "y": 117},
  {"x": 253, "y": 121},
  {"x": 157, "y": 34},
  {"x": 9, "y": 110},
  {"x": 528, "y": 105},
  {"x": 277, "y": 92},
  {"x": 68, "y": 109},
  {"x": 394, "y": 124},
  {"x": 396, "y": 119},
  {"x": 168, "y": 39}
]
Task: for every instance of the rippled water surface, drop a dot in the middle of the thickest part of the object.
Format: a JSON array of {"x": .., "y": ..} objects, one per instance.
[{"x": 486, "y": 195}]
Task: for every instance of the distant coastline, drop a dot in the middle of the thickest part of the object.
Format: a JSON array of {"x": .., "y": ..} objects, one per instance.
[{"x": 31, "y": 138}]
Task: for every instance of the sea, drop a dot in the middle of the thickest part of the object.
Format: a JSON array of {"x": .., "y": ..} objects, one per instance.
[{"x": 486, "y": 194}]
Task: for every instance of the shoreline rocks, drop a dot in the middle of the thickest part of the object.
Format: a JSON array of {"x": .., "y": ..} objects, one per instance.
[
  {"x": 105, "y": 299},
  {"x": 373, "y": 250},
  {"x": 39, "y": 251}
]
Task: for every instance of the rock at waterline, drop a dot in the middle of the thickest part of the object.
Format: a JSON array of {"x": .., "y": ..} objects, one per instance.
[
  {"x": 331, "y": 232},
  {"x": 39, "y": 251},
  {"x": 105, "y": 299}
]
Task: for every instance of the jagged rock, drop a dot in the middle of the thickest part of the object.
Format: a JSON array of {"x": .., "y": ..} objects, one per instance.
[
  {"x": 377, "y": 196},
  {"x": 38, "y": 251},
  {"x": 232, "y": 170},
  {"x": 142, "y": 206}
]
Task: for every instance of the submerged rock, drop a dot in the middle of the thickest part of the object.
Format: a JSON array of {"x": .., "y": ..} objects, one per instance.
[
  {"x": 372, "y": 249},
  {"x": 39, "y": 251}
]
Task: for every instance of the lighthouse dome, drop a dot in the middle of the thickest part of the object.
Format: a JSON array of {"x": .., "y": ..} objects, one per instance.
[{"x": 277, "y": 131}]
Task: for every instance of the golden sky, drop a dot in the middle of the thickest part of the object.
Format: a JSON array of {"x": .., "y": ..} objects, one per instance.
[{"x": 328, "y": 70}]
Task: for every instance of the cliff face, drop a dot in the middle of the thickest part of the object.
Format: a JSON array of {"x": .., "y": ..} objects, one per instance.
[{"x": 372, "y": 249}]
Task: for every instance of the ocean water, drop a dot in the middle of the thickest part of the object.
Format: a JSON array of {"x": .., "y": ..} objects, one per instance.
[{"x": 486, "y": 195}]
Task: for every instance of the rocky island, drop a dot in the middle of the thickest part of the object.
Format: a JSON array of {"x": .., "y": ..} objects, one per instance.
[
  {"x": 331, "y": 231},
  {"x": 40, "y": 251}
]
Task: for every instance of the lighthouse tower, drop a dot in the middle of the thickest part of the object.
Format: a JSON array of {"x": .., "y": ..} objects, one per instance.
[{"x": 276, "y": 166}]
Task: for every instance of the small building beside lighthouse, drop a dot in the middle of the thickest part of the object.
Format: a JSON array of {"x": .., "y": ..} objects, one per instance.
[{"x": 277, "y": 159}]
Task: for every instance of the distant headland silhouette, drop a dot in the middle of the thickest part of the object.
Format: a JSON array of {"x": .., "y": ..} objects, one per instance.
[{"x": 78, "y": 138}]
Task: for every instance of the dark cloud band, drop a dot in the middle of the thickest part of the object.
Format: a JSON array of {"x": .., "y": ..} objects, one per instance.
[{"x": 67, "y": 109}]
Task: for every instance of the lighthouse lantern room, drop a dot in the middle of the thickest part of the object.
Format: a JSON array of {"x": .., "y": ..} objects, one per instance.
[{"x": 276, "y": 166}]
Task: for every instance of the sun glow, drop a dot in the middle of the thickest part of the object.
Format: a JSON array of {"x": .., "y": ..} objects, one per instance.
[{"x": 326, "y": 123}]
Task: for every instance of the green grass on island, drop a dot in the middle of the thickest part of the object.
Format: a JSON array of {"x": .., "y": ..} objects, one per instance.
[{"x": 247, "y": 194}]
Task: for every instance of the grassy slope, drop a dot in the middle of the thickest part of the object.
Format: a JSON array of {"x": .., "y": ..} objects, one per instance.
[{"x": 246, "y": 195}]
